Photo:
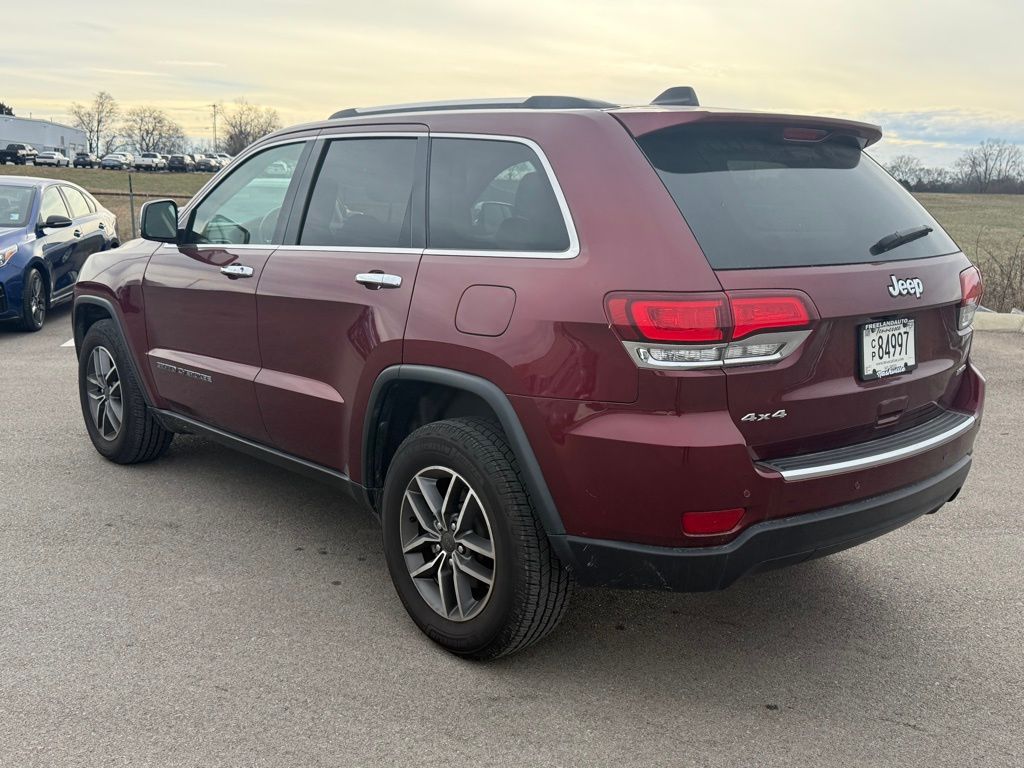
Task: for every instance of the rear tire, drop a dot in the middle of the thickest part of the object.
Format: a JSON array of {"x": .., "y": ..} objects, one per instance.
[
  {"x": 456, "y": 512},
  {"x": 121, "y": 427},
  {"x": 33, "y": 301}
]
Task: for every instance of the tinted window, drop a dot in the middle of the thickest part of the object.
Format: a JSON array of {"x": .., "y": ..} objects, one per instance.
[
  {"x": 755, "y": 199},
  {"x": 52, "y": 204},
  {"x": 363, "y": 195},
  {"x": 15, "y": 205},
  {"x": 77, "y": 202},
  {"x": 492, "y": 196},
  {"x": 245, "y": 207}
]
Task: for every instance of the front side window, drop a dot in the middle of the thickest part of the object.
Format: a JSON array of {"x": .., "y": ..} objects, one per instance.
[
  {"x": 245, "y": 208},
  {"x": 363, "y": 195},
  {"x": 488, "y": 195},
  {"x": 52, "y": 204},
  {"x": 77, "y": 203}
]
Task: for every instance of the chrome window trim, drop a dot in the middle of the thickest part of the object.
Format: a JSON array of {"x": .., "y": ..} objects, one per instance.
[
  {"x": 570, "y": 227},
  {"x": 351, "y": 248},
  {"x": 874, "y": 460},
  {"x": 574, "y": 244}
]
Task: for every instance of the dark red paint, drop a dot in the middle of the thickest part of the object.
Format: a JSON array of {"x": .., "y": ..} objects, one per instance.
[{"x": 296, "y": 349}]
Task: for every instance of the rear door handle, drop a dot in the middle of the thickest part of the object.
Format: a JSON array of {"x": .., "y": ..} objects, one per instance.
[
  {"x": 377, "y": 280},
  {"x": 77, "y": 233},
  {"x": 235, "y": 271}
]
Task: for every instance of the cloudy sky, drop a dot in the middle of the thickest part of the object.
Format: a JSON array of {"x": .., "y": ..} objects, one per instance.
[{"x": 938, "y": 75}]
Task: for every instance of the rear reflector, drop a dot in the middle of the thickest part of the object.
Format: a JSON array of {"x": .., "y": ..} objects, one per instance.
[
  {"x": 711, "y": 523},
  {"x": 971, "y": 291}
]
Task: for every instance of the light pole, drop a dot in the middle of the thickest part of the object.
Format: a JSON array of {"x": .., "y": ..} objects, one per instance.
[{"x": 215, "y": 108}]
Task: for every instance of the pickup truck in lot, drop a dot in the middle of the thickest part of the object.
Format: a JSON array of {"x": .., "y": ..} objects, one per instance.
[
  {"x": 19, "y": 154},
  {"x": 150, "y": 161}
]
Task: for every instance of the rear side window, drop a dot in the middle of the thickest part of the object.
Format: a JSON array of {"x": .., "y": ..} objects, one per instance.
[
  {"x": 755, "y": 199},
  {"x": 77, "y": 202},
  {"x": 363, "y": 194},
  {"x": 488, "y": 195}
]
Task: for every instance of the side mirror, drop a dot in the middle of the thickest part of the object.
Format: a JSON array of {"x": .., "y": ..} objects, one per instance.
[
  {"x": 160, "y": 221},
  {"x": 57, "y": 222}
]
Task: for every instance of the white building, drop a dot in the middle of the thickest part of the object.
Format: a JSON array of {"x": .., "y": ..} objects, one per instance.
[{"x": 42, "y": 134}]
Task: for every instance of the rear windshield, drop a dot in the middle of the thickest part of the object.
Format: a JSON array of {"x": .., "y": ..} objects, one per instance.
[{"x": 754, "y": 199}]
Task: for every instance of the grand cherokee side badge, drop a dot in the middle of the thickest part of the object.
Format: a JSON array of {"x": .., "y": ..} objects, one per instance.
[
  {"x": 912, "y": 285},
  {"x": 188, "y": 374}
]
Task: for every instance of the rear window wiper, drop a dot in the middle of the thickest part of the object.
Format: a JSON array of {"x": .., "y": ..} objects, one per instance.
[{"x": 896, "y": 239}]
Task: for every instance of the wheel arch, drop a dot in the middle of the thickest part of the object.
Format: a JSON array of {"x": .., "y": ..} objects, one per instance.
[
  {"x": 89, "y": 310},
  {"x": 404, "y": 397},
  {"x": 36, "y": 262}
]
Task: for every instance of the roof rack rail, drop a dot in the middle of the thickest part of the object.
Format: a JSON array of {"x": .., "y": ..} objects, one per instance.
[
  {"x": 678, "y": 96},
  {"x": 532, "y": 102}
]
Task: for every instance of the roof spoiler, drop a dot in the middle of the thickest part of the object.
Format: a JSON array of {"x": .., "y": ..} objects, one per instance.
[{"x": 678, "y": 96}]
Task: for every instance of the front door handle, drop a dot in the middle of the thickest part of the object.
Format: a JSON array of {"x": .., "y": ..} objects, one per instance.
[
  {"x": 377, "y": 280},
  {"x": 235, "y": 271},
  {"x": 77, "y": 233}
]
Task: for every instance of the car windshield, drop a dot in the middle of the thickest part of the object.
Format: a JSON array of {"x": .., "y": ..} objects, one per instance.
[
  {"x": 15, "y": 205},
  {"x": 755, "y": 197}
]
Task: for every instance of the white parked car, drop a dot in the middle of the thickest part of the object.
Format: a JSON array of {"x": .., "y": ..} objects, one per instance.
[
  {"x": 56, "y": 159},
  {"x": 150, "y": 161}
]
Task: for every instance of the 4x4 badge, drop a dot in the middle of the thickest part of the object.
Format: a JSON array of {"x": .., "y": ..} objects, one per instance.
[{"x": 913, "y": 285}]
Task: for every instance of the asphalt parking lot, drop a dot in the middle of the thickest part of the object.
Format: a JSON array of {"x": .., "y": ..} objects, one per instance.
[{"x": 210, "y": 610}]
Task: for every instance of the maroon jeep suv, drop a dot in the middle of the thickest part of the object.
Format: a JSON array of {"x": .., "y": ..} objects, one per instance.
[{"x": 554, "y": 341}]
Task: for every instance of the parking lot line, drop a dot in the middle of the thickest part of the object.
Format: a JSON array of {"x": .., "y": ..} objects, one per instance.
[{"x": 68, "y": 343}]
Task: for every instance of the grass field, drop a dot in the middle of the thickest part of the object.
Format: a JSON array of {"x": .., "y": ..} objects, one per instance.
[{"x": 990, "y": 230}]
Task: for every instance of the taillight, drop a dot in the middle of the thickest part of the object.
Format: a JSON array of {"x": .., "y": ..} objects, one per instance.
[
  {"x": 704, "y": 330},
  {"x": 699, "y": 319},
  {"x": 755, "y": 314},
  {"x": 971, "y": 290}
]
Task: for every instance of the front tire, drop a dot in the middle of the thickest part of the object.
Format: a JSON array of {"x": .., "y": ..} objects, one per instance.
[
  {"x": 119, "y": 424},
  {"x": 467, "y": 554},
  {"x": 33, "y": 301}
]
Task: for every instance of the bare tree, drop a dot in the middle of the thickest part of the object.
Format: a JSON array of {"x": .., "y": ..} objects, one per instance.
[
  {"x": 906, "y": 169},
  {"x": 148, "y": 129},
  {"x": 992, "y": 161},
  {"x": 97, "y": 120},
  {"x": 246, "y": 123}
]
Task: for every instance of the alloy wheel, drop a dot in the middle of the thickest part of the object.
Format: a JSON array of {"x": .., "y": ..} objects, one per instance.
[
  {"x": 37, "y": 299},
  {"x": 103, "y": 386},
  {"x": 447, "y": 543}
]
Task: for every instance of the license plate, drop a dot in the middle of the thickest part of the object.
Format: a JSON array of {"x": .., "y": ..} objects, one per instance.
[{"x": 887, "y": 348}]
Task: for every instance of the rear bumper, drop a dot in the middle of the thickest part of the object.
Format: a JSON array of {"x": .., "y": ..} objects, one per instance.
[{"x": 763, "y": 546}]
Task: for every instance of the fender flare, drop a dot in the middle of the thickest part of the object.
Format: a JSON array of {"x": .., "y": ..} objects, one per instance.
[
  {"x": 498, "y": 401},
  {"x": 108, "y": 305}
]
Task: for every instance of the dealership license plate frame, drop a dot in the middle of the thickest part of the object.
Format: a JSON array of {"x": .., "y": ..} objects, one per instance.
[{"x": 871, "y": 372}]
